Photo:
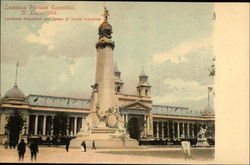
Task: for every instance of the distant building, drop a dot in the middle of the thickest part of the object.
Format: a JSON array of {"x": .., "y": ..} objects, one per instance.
[{"x": 169, "y": 122}]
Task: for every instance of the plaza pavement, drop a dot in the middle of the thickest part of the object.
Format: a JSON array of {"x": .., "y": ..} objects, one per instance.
[{"x": 138, "y": 155}]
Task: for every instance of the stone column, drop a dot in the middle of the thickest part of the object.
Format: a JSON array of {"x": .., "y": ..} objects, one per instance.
[
  {"x": 126, "y": 118},
  {"x": 168, "y": 132},
  {"x": 173, "y": 129},
  {"x": 192, "y": 130},
  {"x": 162, "y": 130},
  {"x": 75, "y": 125},
  {"x": 52, "y": 125},
  {"x": 148, "y": 125},
  {"x": 183, "y": 130},
  {"x": 2, "y": 124},
  {"x": 36, "y": 124},
  {"x": 28, "y": 123},
  {"x": 157, "y": 129},
  {"x": 26, "y": 116},
  {"x": 67, "y": 130},
  {"x": 178, "y": 130},
  {"x": 44, "y": 124},
  {"x": 188, "y": 131},
  {"x": 145, "y": 125}
]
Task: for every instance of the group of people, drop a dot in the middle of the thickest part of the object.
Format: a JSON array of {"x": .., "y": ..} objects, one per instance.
[
  {"x": 83, "y": 148},
  {"x": 21, "y": 148}
]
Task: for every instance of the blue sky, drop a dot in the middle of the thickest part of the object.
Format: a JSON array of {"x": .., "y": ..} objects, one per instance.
[{"x": 173, "y": 41}]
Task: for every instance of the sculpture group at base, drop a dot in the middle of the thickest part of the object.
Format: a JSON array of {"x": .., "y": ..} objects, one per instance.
[{"x": 202, "y": 140}]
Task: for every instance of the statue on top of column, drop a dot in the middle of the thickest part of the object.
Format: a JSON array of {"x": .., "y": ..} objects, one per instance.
[{"x": 106, "y": 14}]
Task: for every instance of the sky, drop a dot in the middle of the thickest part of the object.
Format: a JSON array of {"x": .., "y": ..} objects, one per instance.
[{"x": 172, "y": 41}]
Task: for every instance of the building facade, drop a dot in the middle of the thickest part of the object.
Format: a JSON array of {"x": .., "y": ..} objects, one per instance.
[{"x": 143, "y": 119}]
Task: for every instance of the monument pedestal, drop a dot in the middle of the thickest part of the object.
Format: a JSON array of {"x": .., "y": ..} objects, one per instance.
[
  {"x": 104, "y": 138},
  {"x": 202, "y": 142}
]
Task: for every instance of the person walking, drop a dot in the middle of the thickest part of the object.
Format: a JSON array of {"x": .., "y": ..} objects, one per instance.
[
  {"x": 93, "y": 145},
  {"x": 67, "y": 145},
  {"x": 6, "y": 144},
  {"x": 186, "y": 148},
  {"x": 33, "y": 150},
  {"x": 21, "y": 148},
  {"x": 83, "y": 149}
]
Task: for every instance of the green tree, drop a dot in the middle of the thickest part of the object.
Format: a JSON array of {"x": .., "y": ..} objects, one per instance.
[
  {"x": 14, "y": 126},
  {"x": 60, "y": 124},
  {"x": 212, "y": 69}
]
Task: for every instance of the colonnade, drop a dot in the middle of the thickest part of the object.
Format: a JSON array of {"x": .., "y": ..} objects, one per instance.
[
  {"x": 43, "y": 125},
  {"x": 176, "y": 129}
]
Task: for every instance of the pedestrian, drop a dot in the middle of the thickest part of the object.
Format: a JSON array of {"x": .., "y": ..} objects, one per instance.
[
  {"x": 11, "y": 144},
  {"x": 21, "y": 148},
  {"x": 186, "y": 149},
  {"x": 93, "y": 145},
  {"x": 14, "y": 144},
  {"x": 83, "y": 148},
  {"x": 67, "y": 145},
  {"x": 33, "y": 150},
  {"x": 6, "y": 144}
]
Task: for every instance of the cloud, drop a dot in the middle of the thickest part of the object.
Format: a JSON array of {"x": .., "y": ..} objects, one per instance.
[
  {"x": 177, "y": 54},
  {"x": 63, "y": 77},
  {"x": 177, "y": 90}
]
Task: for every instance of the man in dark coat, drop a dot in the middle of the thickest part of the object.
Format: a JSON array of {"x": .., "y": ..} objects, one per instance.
[
  {"x": 83, "y": 146},
  {"x": 34, "y": 150},
  {"x": 67, "y": 145},
  {"x": 21, "y": 149},
  {"x": 93, "y": 145}
]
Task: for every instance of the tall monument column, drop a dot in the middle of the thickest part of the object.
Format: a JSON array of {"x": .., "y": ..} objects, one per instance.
[
  {"x": 104, "y": 123},
  {"x": 105, "y": 67}
]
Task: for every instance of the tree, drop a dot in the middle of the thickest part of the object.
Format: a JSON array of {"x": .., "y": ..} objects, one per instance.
[
  {"x": 60, "y": 124},
  {"x": 212, "y": 69},
  {"x": 14, "y": 126}
]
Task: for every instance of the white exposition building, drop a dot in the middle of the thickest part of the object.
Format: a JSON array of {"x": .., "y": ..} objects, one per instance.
[{"x": 143, "y": 120}]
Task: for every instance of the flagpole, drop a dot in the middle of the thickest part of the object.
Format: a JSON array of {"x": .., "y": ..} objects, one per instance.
[
  {"x": 16, "y": 73},
  {"x": 208, "y": 98}
]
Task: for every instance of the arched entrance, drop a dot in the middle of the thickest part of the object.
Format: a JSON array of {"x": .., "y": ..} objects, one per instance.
[{"x": 133, "y": 128}]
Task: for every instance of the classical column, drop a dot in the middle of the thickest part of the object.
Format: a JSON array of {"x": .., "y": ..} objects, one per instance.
[
  {"x": 188, "y": 131},
  {"x": 157, "y": 129},
  {"x": 52, "y": 125},
  {"x": 173, "y": 129},
  {"x": 27, "y": 123},
  {"x": 2, "y": 123},
  {"x": 44, "y": 124},
  {"x": 148, "y": 125},
  {"x": 126, "y": 118},
  {"x": 183, "y": 130},
  {"x": 36, "y": 124},
  {"x": 75, "y": 125},
  {"x": 162, "y": 129},
  {"x": 168, "y": 132},
  {"x": 145, "y": 125},
  {"x": 192, "y": 130},
  {"x": 178, "y": 130},
  {"x": 67, "y": 130}
]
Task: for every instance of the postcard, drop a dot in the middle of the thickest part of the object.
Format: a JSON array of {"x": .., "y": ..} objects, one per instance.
[{"x": 124, "y": 82}]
